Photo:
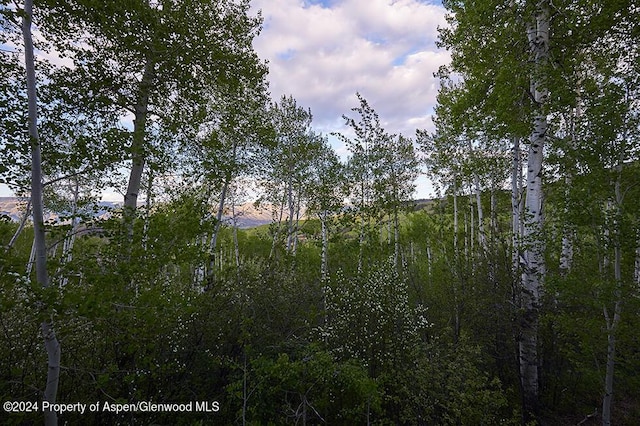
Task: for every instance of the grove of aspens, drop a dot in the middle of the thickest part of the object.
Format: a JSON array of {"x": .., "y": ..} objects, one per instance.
[{"x": 512, "y": 297}]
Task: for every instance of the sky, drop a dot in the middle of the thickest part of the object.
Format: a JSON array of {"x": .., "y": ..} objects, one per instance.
[{"x": 324, "y": 51}]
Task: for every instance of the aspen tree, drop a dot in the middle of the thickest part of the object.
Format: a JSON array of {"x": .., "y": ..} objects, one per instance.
[{"x": 51, "y": 343}]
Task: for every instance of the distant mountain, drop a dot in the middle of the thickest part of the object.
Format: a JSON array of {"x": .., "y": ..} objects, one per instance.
[
  {"x": 247, "y": 215},
  {"x": 12, "y": 207}
]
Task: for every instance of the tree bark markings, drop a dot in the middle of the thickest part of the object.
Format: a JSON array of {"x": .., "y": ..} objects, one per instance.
[
  {"x": 533, "y": 267},
  {"x": 51, "y": 343}
]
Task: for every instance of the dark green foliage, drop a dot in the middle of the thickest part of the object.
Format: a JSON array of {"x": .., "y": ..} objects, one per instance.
[{"x": 415, "y": 327}]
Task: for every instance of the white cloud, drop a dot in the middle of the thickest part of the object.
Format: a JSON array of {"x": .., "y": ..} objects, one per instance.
[{"x": 323, "y": 52}]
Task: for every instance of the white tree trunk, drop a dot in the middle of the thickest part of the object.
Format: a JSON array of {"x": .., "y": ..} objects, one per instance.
[
  {"x": 612, "y": 322},
  {"x": 568, "y": 233},
  {"x": 296, "y": 225},
  {"x": 23, "y": 222},
  {"x": 396, "y": 236},
  {"x": 276, "y": 234},
  {"x": 147, "y": 213},
  {"x": 32, "y": 258},
  {"x": 290, "y": 221},
  {"x": 472, "y": 224},
  {"x": 566, "y": 255},
  {"x": 213, "y": 244},
  {"x": 476, "y": 183},
  {"x": 67, "y": 246},
  {"x": 516, "y": 192},
  {"x": 138, "y": 156},
  {"x": 203, "y": 242},
  {"x": 636, "y": 269},
  {"x": 324, "y": 265},
  {"x": 52, "y": 346},
  {"x": 361, "y": 243},
  {"x": 455, "y": 214},
  {"x": 482, "y": 238},
  {"x": 533, "y": 255}
]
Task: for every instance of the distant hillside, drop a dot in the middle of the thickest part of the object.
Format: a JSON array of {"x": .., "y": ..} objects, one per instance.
[
  {"x": 12, "y": 207},
  {"x": 247, "y": 215}
]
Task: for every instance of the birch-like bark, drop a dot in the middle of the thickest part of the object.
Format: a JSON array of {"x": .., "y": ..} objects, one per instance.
[
  {"x": 52, "y": 346},
  {"x": 138, "y": 150},
  {"x": 533, "y": 255},
  {"x": 476, "y": 183},
  {"x": 32, "y": 258},
  {"x": 516, "y": 173},
  {"x": 482, "y": 237}
]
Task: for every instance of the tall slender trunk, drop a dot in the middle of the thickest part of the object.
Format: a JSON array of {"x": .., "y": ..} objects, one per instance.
[
  {"x": 51, "y": 344},
  {"x": 362, "y": 213},
  {"x": 455, "y": 214},
  {"x": 612, "y": 322},
  {"x": 568, "y": 233},
  {"x": 23, "y": 222},
  {"x": 324, "y": 265},
  {"x": 482, "y": 237},
  {"x": 476, "y": 183},
  {"x": 361, "y": 243},
  {"x": 236, "y": 246},
  {"x": 138, "y": 149},
  {"x": 636, "y": 269},
  {"x": 276, "y": 234},
  {"x": 533, "y": 256},
  {"x": 213, "y": 245},
  {"x": 147, "y": 211},
  {"x": 472, "y": 224},
  {"x": 296, "y": 225},
  {"x": 396, "y": 237},
  {"x": 566, "y": 253},
  {"x": 202, "y": 241},
  {"x": 516, "y": 192},
  {"x": 67, "y": 246},
  {"x": 290, "y": 221},
  {"x": 493, "y": 213},
  {"x": 428, "y": 249}
]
